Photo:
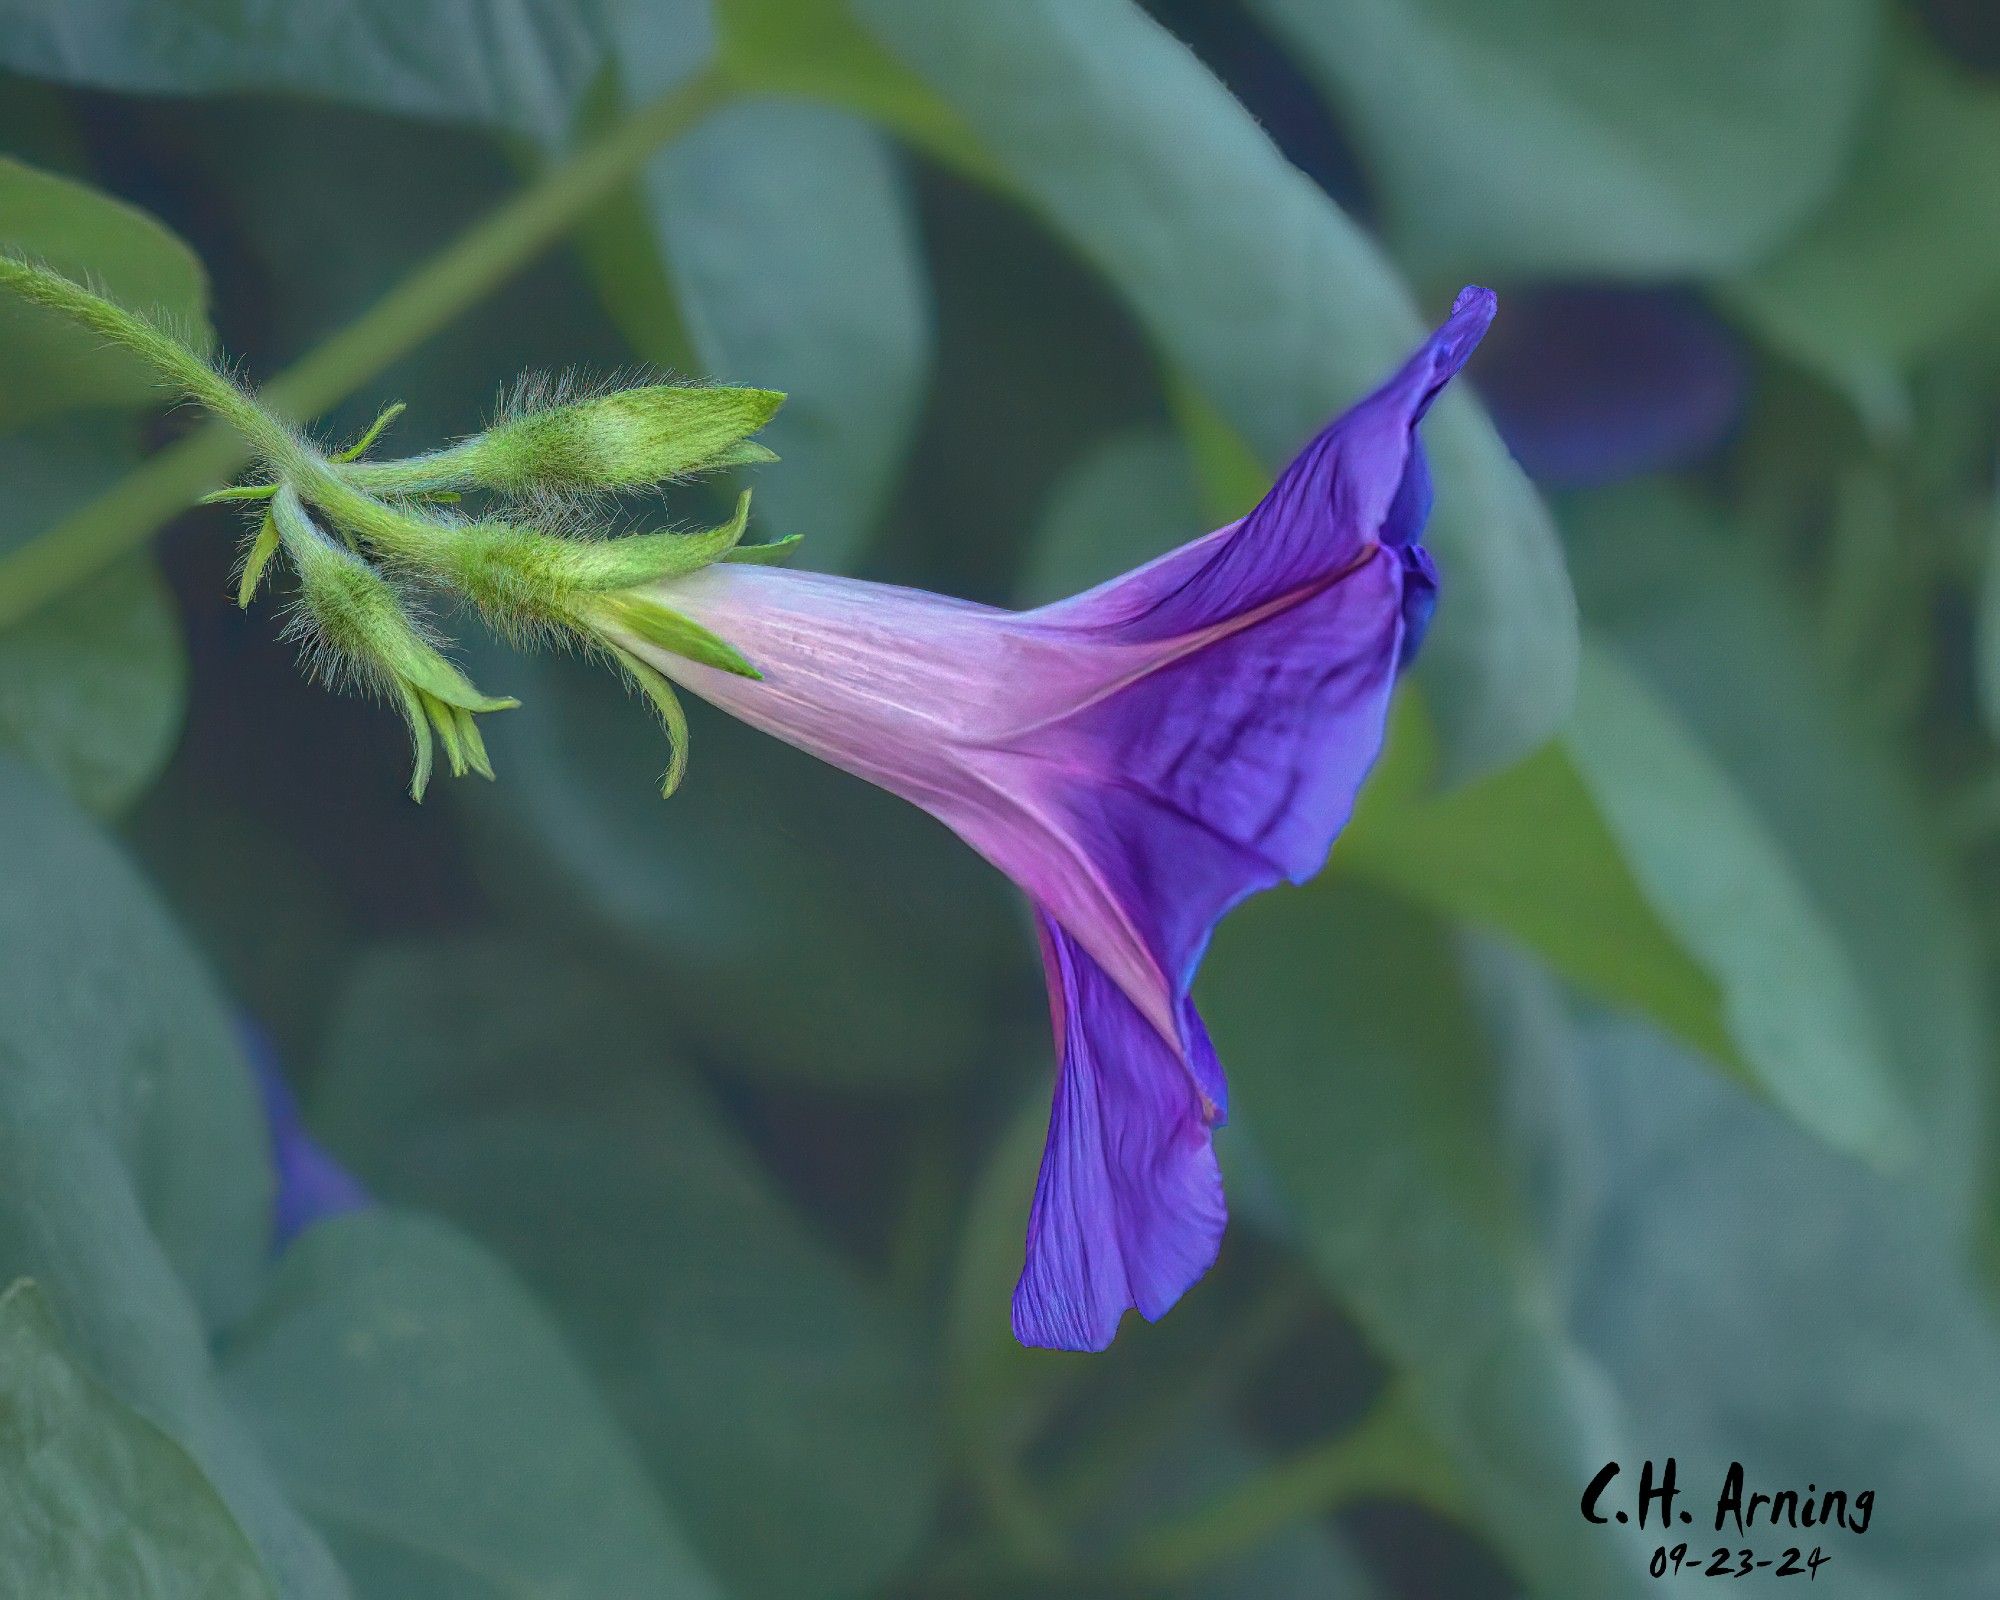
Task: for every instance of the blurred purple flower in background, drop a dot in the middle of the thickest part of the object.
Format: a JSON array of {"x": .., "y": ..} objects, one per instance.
[
  {"x": 309, "y": 1185},
  {"x": 1591, "y": 383},
  {"x": 1139, "y": 759}
]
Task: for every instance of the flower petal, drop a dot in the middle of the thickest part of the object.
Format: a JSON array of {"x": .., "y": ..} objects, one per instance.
[
  {"x": 1220, "y": 772},
  {"x": 310, "y": 1185},
  {"x": 1128, "y": 1208},
  {"x": 1359, "y": 483}
]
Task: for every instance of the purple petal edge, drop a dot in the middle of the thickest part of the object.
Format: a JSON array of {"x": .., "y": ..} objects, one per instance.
[{"x": 1128, "y": 1208}]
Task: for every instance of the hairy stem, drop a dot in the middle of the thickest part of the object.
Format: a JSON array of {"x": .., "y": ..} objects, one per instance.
[
  {"x": 178, "y": 367},
  {"x": 121, "y": 519}
]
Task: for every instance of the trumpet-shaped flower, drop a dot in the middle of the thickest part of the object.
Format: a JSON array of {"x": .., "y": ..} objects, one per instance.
[{"x": 1138, "y": 759}]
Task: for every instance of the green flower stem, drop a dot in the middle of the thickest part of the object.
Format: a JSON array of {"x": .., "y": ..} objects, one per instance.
[
  {"x": 124, "y": 516},
  {"x": 177, "y": 366},
  {"x": 1390, "y": 1454}
]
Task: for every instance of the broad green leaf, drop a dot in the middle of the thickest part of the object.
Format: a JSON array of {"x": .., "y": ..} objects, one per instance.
[
  {"x": 815, "y": 49},
  {"x": 418, "y": 1404},
  {"x": 788, "y": 237},
  {"x": 1720, "y": 882},
  {"x": 521, "y": 1094},
  {"x": 1706, "y": 627},
  {"x": 803, "y": 923},
  {"x": 136, "y": 1190},
  {"x": 100, "y": 1504},
  {"x": 1629, "y": 862},
  {"x": 1275, "y": 306},
  {"x": 1528, "y": 853},
  {"x": 1362, "y": 1071},
  {"x": 520, "y": 65},
  {"x": 92, "y": 689},
  {"x": 48, "y": 364},
  {"x": 1756, "y": 1297},
  {"x": 1593, "y": 136},
  {"x": 136, "y": 1187},
  {"x": 1907, "y": 253}
]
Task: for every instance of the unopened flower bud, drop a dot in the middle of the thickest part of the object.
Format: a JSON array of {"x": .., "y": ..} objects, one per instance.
[
  {"x": 357, "y": 626},
  {"x": 627, "y": 439}
]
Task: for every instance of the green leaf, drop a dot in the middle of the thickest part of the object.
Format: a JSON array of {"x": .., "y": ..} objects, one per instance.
[
  {"x": 1861, "y": 1355},
  {"x": 815, "y": 49},
  {"x": 137, "y": 1179},
  {"x": 1275, "y": 306},
  {"x": 1720, "y": 881},
  {"x": 1695, "y": 614},
  {"x": 521, "y": 1094},
  {"x": 48, "y": 364},
  {"x": 1362, "y": 1071},
  {"x": 1528, "y": 853},
  {"x": 101, "y": 1505},
  {"x": 1625, "y": 859},
  {"x": 93, "y": 688},
  {"x": 1593, "y": 136},
  {"x": 521, "y": 67},
  {"x": 889, "y": 934},
  {"x": 1907, "y": 253},
  {"x": 423, "y": 1409},
  {"x": 137, "y": 1191},
  {"x": 789, "y": 239}
]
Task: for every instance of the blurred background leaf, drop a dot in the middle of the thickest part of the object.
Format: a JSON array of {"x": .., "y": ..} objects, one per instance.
[
  {"x": 51, "y": 365},
  {"x": 99, "y": 1501},
  {"x": 92, "y": 689},
  {"x": 387, "y": 1356},
  {"x": 791, "y": 249},
  {"x": 1736, "y": 1350},
  {"x": 864, "y": 965},
  {"x": 1700, "y": 617},
  {"x": 1576, "y": 137},
  {"x": 1365, "y": 1080},
  {"x": 1907, "y": 252},
  {"x": 762, "y": 1382},
  {"x": 120, "y": 1063},
  {"x": 521, "y": 66}
]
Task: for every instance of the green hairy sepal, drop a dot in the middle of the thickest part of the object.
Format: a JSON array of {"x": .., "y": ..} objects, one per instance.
[
  {"x": 357, "y": 627},
  {"x": 623, "y": 440},
  {"x": 535, "y": 570},
  {"x": 526, "y": 581}
]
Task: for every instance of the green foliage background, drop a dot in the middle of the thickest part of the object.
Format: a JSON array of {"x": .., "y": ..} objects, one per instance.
[{"x": 1621, "y": 1090}]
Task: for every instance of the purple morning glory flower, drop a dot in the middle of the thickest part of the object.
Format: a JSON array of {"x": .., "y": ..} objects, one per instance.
[
  {"x": 1138, "y": 759},
  {"x": 1595, "y": 383},
  {"x": 309, "y": 1185}
]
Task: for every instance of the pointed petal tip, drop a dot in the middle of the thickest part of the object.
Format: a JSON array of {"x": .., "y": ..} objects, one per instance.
[
  {"x": 1476, "y": 300},
  {"x": 1472, "y": 314}
]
